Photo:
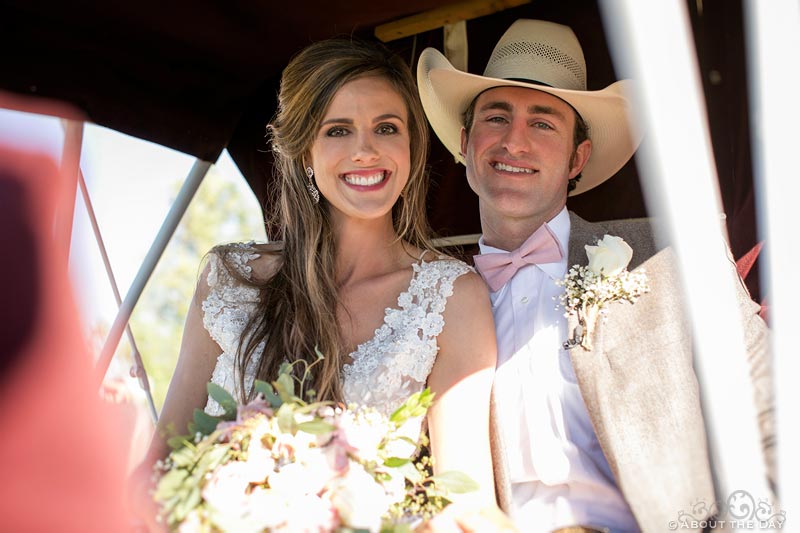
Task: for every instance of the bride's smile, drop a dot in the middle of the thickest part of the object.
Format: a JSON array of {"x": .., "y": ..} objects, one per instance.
[{"x": 361, "y": 155}]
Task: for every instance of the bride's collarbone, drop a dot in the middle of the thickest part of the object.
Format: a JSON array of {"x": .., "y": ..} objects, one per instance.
[{"x": 362, "y": 305}]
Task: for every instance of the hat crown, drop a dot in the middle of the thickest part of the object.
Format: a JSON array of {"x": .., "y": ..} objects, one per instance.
[{"x": 539, "y": 51}]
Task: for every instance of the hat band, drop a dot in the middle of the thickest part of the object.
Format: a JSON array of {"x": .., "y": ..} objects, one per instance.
[{"x": 526, "y": 80}]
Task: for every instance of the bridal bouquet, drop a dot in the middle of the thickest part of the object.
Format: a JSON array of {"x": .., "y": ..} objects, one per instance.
[{"x": 280, "y": 463}]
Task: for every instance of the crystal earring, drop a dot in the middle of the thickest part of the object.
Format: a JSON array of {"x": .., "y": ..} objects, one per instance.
[{"x": 312, "y": 189}]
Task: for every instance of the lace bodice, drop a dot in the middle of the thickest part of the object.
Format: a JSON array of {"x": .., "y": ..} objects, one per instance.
[{"x": 384, "y": 371}]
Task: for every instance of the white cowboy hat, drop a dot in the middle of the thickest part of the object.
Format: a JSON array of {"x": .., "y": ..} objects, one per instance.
[{"x": 539, "y": 55}]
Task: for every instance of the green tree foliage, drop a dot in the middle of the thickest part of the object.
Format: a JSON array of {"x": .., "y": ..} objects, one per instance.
[{"x": 222, "y": 211}]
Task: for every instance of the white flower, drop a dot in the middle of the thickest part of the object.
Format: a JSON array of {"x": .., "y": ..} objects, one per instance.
[
  {"x": 227, "y": 485},
  {"x": 610, "y": 257},
  {"x": 260, "y": 462},
  {"x": 363, "y": 430},
  {"x": 589, "y": 289},
  {"x": 299, "y": 478},
  {"x": 311, "y": 513},
  {"x": 360, "y": 500}
]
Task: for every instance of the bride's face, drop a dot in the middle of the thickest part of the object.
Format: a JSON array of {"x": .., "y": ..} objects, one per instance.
[{"x": 361, "y": 153}]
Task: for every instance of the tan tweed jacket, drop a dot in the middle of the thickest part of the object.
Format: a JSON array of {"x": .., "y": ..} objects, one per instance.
[{"x": 640, "y": 389}]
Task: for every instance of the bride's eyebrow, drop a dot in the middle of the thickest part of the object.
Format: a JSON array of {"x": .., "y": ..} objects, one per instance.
[
  {"x": 337, "y": 121},
  {"x": 388, "y": 116}
]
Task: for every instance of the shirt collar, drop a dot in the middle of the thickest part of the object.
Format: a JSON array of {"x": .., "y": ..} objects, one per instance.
[{"x": 560, "y": 226}]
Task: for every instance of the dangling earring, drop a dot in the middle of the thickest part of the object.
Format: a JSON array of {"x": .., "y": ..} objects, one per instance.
[{"x": 312, "y": 189}]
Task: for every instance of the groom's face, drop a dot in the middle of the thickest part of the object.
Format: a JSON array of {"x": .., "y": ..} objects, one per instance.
[{"x": 520, "y": 153}]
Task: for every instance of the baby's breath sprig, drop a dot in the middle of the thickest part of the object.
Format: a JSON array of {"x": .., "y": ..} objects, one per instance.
[{"x": 589, "y": 289}]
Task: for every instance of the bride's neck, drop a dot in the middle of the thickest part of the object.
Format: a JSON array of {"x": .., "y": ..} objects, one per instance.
[{"x": 366, "y": 249}]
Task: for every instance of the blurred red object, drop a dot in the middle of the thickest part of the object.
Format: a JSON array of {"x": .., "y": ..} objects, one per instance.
[
  {"x": 744, "y": 265},
  {"x": 62, "y": 449}
]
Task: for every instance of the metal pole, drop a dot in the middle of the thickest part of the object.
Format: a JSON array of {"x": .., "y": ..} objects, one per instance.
[
  {"x": 773, "y": 41},
  {"x": 173, "y": 218},
  {"x": 652, "y": 43},
  {"x": 138, "y": 369},
  {"x": 69, "y": 168}
]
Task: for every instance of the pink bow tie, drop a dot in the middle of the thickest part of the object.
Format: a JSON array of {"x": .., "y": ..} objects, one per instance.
[{"x": 497, "y": 268}]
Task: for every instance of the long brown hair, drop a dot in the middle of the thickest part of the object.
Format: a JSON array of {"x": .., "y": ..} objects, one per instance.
[{"x": 296, "y": 314}]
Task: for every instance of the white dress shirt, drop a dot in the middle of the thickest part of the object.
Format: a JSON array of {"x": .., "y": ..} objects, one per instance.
[{"x": 559, "y": 475}]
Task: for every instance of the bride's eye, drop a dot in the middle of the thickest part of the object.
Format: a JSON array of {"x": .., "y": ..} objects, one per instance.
[
  {"x": 386, "y": 129},
  {"x": 337, "y": 131}
]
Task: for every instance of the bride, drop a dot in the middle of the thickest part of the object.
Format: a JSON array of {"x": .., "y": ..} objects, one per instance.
[{"x": 354, "y": 275}]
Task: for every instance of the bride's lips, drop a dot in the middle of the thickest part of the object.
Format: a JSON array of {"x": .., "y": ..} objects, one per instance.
[{"x": 366, "y": 180}]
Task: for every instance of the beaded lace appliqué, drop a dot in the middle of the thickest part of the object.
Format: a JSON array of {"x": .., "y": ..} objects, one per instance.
[{"x": 384, "y": 371}]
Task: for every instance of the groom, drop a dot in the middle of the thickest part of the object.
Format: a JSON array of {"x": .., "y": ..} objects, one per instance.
[{"x": 610, "y": 438}]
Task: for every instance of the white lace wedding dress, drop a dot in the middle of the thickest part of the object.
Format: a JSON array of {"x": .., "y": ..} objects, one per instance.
[{"x": 384, "y": 371}]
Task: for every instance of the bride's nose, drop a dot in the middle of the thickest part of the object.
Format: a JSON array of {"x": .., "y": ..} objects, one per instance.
[{"x": 365, "y": 149}]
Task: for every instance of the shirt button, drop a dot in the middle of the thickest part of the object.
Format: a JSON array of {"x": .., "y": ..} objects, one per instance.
[{"x": 524, "y": 299}]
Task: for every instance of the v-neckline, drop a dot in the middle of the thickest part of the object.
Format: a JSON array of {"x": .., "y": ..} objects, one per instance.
[{"x": 416, "y": 268}]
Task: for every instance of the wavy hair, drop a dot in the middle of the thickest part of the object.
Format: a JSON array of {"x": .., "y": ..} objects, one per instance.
[{"x": 296, "y": 314}]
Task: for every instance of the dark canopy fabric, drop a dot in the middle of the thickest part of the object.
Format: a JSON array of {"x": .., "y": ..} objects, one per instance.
[{"x": 201, "y": 76}]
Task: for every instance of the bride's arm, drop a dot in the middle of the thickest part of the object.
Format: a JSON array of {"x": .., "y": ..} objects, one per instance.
[
  {"x": 462, "y": 380},
  {"x": 187, "y": 391}
]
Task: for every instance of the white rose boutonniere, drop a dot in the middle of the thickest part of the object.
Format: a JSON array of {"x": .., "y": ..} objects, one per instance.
[
  {"x": 610, "y": 257},
  {"x": 589, "y": 289}
]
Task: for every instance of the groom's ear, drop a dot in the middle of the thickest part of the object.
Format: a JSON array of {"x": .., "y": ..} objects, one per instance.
[
  {"x": 579, "y": 158},
  {"x": 464, "y": 139}
]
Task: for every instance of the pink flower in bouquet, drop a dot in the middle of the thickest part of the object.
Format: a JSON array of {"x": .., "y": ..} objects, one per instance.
[{"x": 256, "y": 407}]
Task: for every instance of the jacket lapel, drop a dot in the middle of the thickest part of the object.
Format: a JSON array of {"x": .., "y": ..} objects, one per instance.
[{"x": 640, "y": 390}]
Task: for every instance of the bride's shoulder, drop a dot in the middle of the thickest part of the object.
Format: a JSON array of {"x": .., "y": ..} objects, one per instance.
[
  {"x": 247, "y": 262},
  {"x": 444, "y": 263}
]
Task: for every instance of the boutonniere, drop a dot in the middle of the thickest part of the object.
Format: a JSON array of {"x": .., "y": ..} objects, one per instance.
[{"x": 589, "y": 289}]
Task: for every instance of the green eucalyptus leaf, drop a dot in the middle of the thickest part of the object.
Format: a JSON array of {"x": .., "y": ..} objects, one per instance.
[
  {"x": 315, "y": 427},
  {"x": 394, "y": 462},
  {"x": 455, "y": 482},
  {"x": 170, "y": 483},
  {"x": 396, "y": 528},
  {"x": 185, "y": 457},
  {"x": 318, "y": 353},
  {"x": 213, "y": 458},
  {"x": 285, "y": 387},
  {"x": 400, "y": 415},
  {"x": 179, "y": 441},
  {"x": 224, "y": 399},
  {"x": 192, "y": 499},
  {"x": 416, "y": 405},
  {"x": 203, "y": 423},
  {"x": 286, "y": 421},
  {"x": 266, "y": 389},
  {"x": 410, "y": 472}
]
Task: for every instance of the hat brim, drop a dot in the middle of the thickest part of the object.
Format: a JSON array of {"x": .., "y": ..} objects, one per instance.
[{"x": 446, "y": 92}]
